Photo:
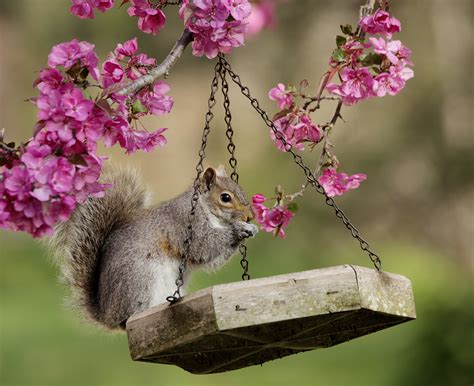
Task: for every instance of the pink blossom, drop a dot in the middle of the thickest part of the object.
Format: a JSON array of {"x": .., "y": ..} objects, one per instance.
[
  {"x": 17, "y": 182},
  {"x": 50, "y": 79},
  {"x": 380, "y": 22},
  {"x": 156, "y": 101},
  {"x": 262, "y": 16},
  {"x": 389, "y": 49},
  {"x": 128, "y": 48},
  {"x": 356, "y": 85},
  {"x": 336, "y": 184},
  {"x": 151, "y": 20},
  {"x": 4, "y": 214},
  {"x": 75, "y": 106},
  {"x": 385, "y": 83},
  {"x": 69, "y": 54},
  {"x": 240, "y": 9},
  {"x": 35, "y": 154},
  {"x": 84, "y": 9},
  {"x": 144, "y": 140},
  {"x": 296, "y": 130},
  {"x": 271, "y": 219},
  {"x": 112, "y": 73},
  {"x": 282, "y": 96},
  {"x": 217, "y": 25}
]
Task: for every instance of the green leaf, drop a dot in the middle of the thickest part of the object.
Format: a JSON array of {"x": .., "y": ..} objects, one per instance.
[
  {"x": 293, "y": 207},
  {"x": 338, "y": 55},
  {"x": 346, "y": 29},
  {"x": 370, "y": 59},
  {"x": 138, "y": 107},
  {"x": 340, "y": 40}
]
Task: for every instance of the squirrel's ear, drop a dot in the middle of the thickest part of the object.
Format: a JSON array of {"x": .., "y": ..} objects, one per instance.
[
  {"x": 209, "y": 177},
  {"x": 220, "y": 171}
]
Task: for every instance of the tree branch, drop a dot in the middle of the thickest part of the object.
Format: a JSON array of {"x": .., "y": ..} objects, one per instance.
[{"x": 156, "y": 72}]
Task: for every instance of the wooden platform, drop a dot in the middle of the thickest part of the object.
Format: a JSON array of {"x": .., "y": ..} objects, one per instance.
[{"x": 230, "y": 326}]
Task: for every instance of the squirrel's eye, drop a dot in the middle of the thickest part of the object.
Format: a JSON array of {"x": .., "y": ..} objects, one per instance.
[{"x": 225, "y": 197}]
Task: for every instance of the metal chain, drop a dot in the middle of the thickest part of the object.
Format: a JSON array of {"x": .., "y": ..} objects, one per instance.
[
  {"x": 312, "y": 180},
  {"x": 194, "y": 199},
  {"x": 244, "y": 263}
]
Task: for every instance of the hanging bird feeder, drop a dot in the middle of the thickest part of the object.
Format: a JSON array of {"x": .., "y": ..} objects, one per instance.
[{"x": 231, "y": 326}]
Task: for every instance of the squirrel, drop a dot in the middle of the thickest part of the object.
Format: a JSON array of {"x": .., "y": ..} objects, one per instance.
[{"x": 120, "y": 255}]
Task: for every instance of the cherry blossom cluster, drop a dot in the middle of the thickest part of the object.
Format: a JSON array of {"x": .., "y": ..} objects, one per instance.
[
  {"x": 151, "y": 18},
  {"x": 273, "y": 220},
  {"x": 292, "y": 122},
  {"x": 366, "y": 69},
  {"x": 218, "y": 26},
  {"x": 42, "y": 181},
  {"x": 377, "y": 68}
]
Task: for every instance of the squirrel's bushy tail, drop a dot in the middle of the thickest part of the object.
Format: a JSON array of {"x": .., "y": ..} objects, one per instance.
[{"x": 77, "y": 243}]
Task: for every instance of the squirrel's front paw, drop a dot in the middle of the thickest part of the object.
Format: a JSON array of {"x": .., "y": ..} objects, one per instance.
[{"x": 246, "y": 230}]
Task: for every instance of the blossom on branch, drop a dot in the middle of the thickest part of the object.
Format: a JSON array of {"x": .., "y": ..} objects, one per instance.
[
  {"x": 294, "y": 130},
  {"x": 271, "y": 219},
  {"x": 364, "y": 74},
  {"x": 84, "y": 9},
  {"x": 218, "y": 26},
  {"x": 151, "y": 19},
  {"x": 336, "y": 184},
  {"x": 380, "y": 22},
  {"x": 42, "y": 181}
]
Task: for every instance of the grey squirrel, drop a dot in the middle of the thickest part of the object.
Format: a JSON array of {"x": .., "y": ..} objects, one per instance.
[{"x": 121, "y": 256}]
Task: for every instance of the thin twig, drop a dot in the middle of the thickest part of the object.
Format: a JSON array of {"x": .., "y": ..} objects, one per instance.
[
  {"x": 366, "y": 9},
  {"x": 162, "y": 69}
]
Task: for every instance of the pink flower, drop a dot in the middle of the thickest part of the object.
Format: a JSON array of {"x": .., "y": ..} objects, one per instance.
[
  {"x": 356, "y": 85},
  {"x": 217, "y": 25},
  {"x": 156, "y": 101},
  {"x": 282, "y": 96},
  {"x": 75, "y": 106},
  {"x": 50, "y": 79},
  {"x": 240, "y": 9},
  {"x": 262, "y": 16},
  {"x": 296, "y": 130},
  {"x": 380, "y": 22},
  {"x": 128, "y": 48},
  {"x": 306, "y": 131},
  {"x": 151, "y": 20},
  {"x": 69, "y": 54},
  {"x": 112, "y": 73},
  {"x": 17, "y": 182},
  {"x": 143, "y": 140},
  {"x": 271, "y": 219},
  {"x": 336, "y": 184},
  {"x": 389, "y": 49},
  {"x": 84, "y": 9}
]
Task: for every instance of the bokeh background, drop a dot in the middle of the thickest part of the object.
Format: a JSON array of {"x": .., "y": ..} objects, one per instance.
[{"x": 416, "y": 207}]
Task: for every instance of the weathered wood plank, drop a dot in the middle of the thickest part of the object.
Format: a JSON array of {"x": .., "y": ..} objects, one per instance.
[
  {"x": 234, "y": 325},
  {"x": 283, "y": 297},
  {"x": 385, "y": 292}
]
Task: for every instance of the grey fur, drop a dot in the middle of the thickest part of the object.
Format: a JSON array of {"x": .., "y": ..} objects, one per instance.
[{"x": 121, "y": 256}]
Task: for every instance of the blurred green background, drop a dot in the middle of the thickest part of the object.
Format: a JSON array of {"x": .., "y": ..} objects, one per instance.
[{"x": 416, "y": 207}]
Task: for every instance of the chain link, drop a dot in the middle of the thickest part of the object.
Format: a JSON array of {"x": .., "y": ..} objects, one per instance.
[
  {"x": 199, "y": 169},
  {"x": 312, "y": 180},
  {"x": 244, "y": 263}
]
